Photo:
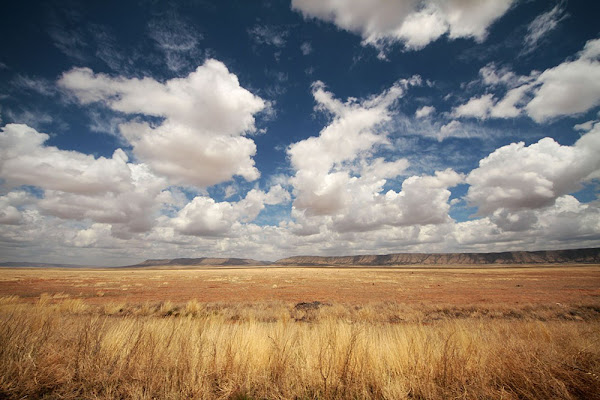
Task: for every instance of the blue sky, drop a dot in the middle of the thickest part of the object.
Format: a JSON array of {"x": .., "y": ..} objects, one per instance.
[{"x": 146, "y": 129}]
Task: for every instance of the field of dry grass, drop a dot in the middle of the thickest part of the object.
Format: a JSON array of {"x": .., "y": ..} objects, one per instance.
[{"x": 80, "y": 336}]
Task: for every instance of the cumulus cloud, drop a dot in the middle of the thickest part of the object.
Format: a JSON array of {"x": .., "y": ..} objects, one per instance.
[
  {"x": 205, "y": 116},
  {"x": 491, "y": 75},
  {"x": 424, "y": 111},
  {"x": 25, "y": 160},
  {"x": 566, "y": 223},
  {"x": 339, "y": 179},
  {"x": 519, "y": 177},
  {"x": 79, "y": 186},
  {"x": 570, "y": 88},
  {"x": 11, "y": 212},
  {"x": 415, "y": 24},
  {"x": 450, "y": 129},
  {"x": 203, "y": 216},
  {"x": 319, "y": 161},
  {"x": 477, "y": 107}
]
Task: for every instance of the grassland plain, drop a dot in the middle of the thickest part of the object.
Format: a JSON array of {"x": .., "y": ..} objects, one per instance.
[{"x": 300, "y": 333}]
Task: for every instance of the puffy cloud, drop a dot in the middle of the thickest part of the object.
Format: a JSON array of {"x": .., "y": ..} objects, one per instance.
[
  {"x": 493, "y": 76},
  {"x": 566, "y": 223},
  {"x": 10, "y": 207},
  {"x": 424, "y": 111},
  {"x": 25, "y": 160},
  {"x": 517, "y": 177},
  {"x": 570, "y": 88},
  {"x": 353, "y": 131},
  {"x": 487, "y": 106},
  {"x": 415, "y": 24},
  {"x": 205, "y": 115},
  {"x": 477, "y": 107},
  {"x": 203, "y": 216},
  {"x": 131, "y": 211},
  {"x": 339, "y": 181},
  {"x": 449, "y": 129},
  {"x": 79, "y": 186},
  {"x": 508, "y": 107},
  {"x": 423, "y": 200}
]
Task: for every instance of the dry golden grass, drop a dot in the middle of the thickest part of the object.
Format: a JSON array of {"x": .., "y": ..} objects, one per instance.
[{"x": 69, "y": 349}]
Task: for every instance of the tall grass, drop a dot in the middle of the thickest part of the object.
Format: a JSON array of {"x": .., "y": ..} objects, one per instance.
[{"x": 72, "y": 350}]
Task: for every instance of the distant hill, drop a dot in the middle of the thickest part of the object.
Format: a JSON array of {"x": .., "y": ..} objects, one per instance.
[
  {"x": 199, "y": 262},
  {"x": 579, "y": 256}
]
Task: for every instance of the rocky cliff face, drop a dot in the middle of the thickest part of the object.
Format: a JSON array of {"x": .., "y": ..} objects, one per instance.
[{"x": 582, "y": 256}]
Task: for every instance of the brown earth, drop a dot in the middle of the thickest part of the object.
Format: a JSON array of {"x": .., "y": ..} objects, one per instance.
[{"x": 460, "y": 287}]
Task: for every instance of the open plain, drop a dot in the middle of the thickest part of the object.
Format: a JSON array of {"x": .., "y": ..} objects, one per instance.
[
  {"x": 514, "y": 332},
  {"x": 511, "y": 285}
]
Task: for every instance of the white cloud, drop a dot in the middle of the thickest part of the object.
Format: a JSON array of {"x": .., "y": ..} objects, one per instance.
[
  {"x": 519, "y": 177},
  {"x": 339, "y": 181},
  {"x": 493, "y": 76},
  {"x": 78, "y": 186},
  {"x": 306, "y": 48},
  {"x": 591, "y": 50},
  {"x": 423, "y": 200},
  {"x": 205, "y": 217},
  {"x": 424, "y": 111},
  {"x": 487, "y": 106},
  {"x": 415, "y": 24},
  {"x": 200, "y": 141},
  {"x": 508, "y": 107},
  {"x": 25, "y": 160},
  {"x": 542, "y": 25},
  {"x": 449, "y": 129},
  {"x": 566, "y": 223},
  {"x": 10, "y": 204},
  {"x": 570, "y": 88},
  {"x": 477, "y": 107},
  {"x": 585, "y": 126}
]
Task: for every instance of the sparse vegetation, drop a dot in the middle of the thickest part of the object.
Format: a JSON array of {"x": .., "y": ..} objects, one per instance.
[{"x": 66, "y": 348}]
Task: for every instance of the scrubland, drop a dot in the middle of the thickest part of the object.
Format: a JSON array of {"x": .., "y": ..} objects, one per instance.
[{"x": 60, "y": 347}]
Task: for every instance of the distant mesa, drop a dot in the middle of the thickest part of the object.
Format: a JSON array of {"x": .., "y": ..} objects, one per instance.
[
  {"x": 575, "y": 256},
  {"x": 202, "y": 261}
]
